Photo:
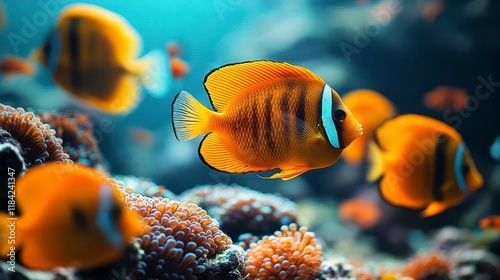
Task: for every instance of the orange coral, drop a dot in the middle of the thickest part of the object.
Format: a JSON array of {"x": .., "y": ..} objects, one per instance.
[{"x": 291, "y": 253}]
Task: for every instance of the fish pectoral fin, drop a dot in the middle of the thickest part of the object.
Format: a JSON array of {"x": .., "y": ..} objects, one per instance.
[
  {"x": 287, "y": 174},
  {"x": 226, "y": 82},
  {"x": 434, "y": 208},
  {"x": 215, "y": 154}
]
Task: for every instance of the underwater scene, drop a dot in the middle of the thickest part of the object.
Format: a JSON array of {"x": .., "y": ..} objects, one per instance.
[{"x": 233, "y": 139}]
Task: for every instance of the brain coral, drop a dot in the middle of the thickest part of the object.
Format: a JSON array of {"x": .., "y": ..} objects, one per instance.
[
  {"x": 240, "y": 210},
  {"x": 181, "y": 237},
  {"x": 38, "y": 143},
  {"x": 75, "y": 130},
  {"x": 291, "y": 253}
]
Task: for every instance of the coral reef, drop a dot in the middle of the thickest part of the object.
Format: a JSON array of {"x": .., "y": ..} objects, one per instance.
[
  {"x": 75, "y": 130},
  {"x": 291, "y": 253},
  {"x": 181, "y": 237},
  {"x": 38, "y": 143},
  {"x": 144, "y": 187},
  {"x": 475, "y": 264},
  {"x": 240, "y": 210},
  {"x": 429, "y": 265},
  {"x": 336, "y": 269}
]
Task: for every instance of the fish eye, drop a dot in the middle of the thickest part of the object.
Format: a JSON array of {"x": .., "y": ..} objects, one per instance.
[
  {"x": 465, "y": 169},
  {"x": 339, "y": 115}
]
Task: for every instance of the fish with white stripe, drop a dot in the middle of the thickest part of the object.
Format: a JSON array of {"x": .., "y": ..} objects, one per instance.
[{"x": 267, "y": 115}]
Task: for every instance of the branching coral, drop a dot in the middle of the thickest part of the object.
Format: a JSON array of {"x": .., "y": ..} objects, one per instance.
[
  {"x": 75, "y": 130},
  {"x": 181, "y": 237},
  {"x": 38, "y": 142},
  {"x": 291, "y": 253},
  {"x": 240, "y": 210}
]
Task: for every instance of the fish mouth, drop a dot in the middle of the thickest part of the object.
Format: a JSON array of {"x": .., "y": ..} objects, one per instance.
[{"x": 359, "y": 128}]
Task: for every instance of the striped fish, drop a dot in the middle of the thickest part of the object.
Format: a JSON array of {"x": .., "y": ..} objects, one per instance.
[
  {"x": 267, "y": 115},
  {"x": 92, "y": 54},
  {"x": 420, "y": 162}
]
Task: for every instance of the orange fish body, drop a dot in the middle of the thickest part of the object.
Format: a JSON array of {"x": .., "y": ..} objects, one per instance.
[
  {"x": 490, "y": 222},
  {"x": 71, "y": 217},
  {"x": 421, "y": 162},
  {"x": 12, "y": 65},
  {"x": 371, "y": 109},
  {"x": 179, "y": 68},
  {"x": 444, "y": 98},
  {"x": 267, "y": 115},
  {"x": 361, "y": 212}
]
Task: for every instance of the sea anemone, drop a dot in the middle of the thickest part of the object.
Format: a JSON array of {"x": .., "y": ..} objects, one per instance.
[
  {"x": 291, "y": 253},
  {"x": 144, "y": 186},
  {"x": 181, "y": 237},
  {"x": 240, "y": 210},
  {"x": 76, "y": 131},
  {"x": 37, "y": 141}
]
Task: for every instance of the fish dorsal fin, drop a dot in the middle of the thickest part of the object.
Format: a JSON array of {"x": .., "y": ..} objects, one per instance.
[{"x": 224, "y": 83}]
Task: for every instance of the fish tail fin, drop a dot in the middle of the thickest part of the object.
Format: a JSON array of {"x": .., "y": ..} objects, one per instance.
[
  {"x": 5, "y": 242},
  {"x": 376, "y": 165},
  {"x": 154, "y": 72},
  {"x": 189, "y": 117}
]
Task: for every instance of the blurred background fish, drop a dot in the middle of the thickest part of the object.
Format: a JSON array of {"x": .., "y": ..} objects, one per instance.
[
  {"x": 371, "y": 109},
  {"x": 444, "y": 98},
  {"x": 420, "y": 162},
  {"x": 12, "y": 65},
  {"x": 92, "y": 54}
]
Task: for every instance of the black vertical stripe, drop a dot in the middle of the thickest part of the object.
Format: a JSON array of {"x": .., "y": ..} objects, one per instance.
[
  {"x": 285, "y": 112},
  {"x": 268, "y": 122},
  {"x": 254, "y": 120},
  {"x": 47, "y": 46},
  {"x": 301, "y": 110},
  {"x": 74, "y": 51},
  {"x": 440, "y": 167}
]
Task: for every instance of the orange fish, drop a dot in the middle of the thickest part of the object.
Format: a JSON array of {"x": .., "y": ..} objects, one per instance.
[
  {"x": 490, "y": 222},
  {"x": 179, "y": 67},
  {"x": 361, "y": 212},
  {"x": 371, "y": 109},
  {"x": 267, "y": 115},
  {"x": 443, "y": 98},
  {"x": 11, "y": 65},
  {"x": 93, "y": 55},
  {"x": 421, "y": 162},
  {"x": 71, "y": 217}
]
